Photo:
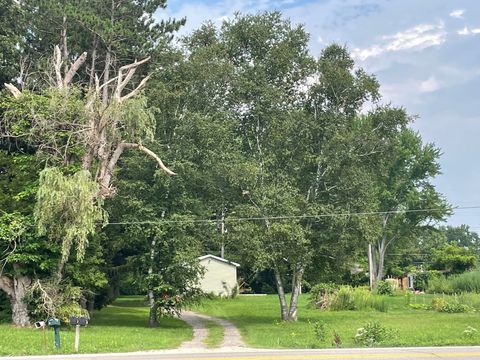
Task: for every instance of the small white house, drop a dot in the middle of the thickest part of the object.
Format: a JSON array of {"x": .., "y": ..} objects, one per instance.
[{"x": 220, "y": 275}]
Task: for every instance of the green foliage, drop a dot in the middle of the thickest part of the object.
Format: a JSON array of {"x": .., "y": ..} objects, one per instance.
[
  {"x": 171, "y": 300},
  {"x": 329, "y": 297},
  {"x": 466, "y": 282},
  {"x": 120, "y": 327},
  {"x": 470, "y": 332},
  {"x": 5, "y": 309},
  {"x": 320, "y": 330},
  {"x": 320, "y": 294},
  {"x": 455, "y": 308},
  {"x": 12, "y": 25},
  {"x": 453, "y": 258},
  {"x": 462, "y": 283},
  {"x": 439, "y": 285},
  {"x": 384, "y": 288},
  {"x": 421, "y": 279},
  {"x": 373, "y": 334},
  {"x": 68, "y": 209}
]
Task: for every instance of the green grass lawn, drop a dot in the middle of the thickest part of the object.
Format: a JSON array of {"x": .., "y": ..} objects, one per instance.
[
  {"x": 117, "y": 328},
  {"x": 258, "y": 321},
  {"x": 215, "y": 334}
]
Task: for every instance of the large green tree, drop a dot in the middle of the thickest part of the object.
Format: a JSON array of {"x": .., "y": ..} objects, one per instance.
[{"x": 404, "y": 192}]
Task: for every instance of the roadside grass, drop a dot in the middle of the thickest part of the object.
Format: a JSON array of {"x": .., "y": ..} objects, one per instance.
[
  {"x": 258, "y": 319},
  {"x": 120, "y": 327},
  {"x": 215, "y": 334}
]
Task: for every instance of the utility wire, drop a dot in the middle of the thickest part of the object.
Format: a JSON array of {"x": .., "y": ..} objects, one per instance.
[{"x": 286, "y": 217}]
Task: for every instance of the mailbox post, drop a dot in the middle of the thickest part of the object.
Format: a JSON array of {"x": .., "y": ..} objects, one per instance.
[
  {"x": 77, "y": 322},
  {"x": 55, "y": 323}
]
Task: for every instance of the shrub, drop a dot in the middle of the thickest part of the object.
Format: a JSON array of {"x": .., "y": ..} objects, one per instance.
[
  {"x": 384, "y": 288},
  {"x": 438, "y": 303},
  {"x": 442, "y": 305},
  {"x": 321, "y": 295},
  {"x": 455, "y": 308},
  {"x": 470, "y": 332},
  {"x": 440, "y": 285},
  {"x": 372, "y": 334},
  {"x": 422, "y": 279}
]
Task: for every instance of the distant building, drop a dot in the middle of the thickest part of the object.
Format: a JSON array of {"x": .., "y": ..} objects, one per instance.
[{"x": 220, "y": 275}]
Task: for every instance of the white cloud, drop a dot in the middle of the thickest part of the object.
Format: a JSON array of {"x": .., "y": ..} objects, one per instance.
[
  {"x": 416, "y": 38},
  {"x": 429, "y": 85},
  {"x": 458, "y": 14},
  {"x": 320, "y": 40},
  {"x": 467, "y": 31},
  {"x": 464, "y": 31}
]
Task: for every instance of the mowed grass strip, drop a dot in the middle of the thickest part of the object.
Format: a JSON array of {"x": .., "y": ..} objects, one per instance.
[
  {"x": 120, "y": 327},
  {"x": 258, "y": 321},
  {"x": 215, "y": 334}
]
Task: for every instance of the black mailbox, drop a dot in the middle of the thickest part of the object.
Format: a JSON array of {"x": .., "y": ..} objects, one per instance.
[{"x": 79, "y": 320}]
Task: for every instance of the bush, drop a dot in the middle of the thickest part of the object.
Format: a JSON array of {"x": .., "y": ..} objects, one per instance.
[
  {"x": 372, "y": 334},
  {"x": 470, "y": 332},
  {"x": 320, "y": 294},
  {"x": 440, "y": 285},
  {"x": 384, "y": 288},
  {"x": 348, "y": 298},
  {"x": 455, "y": 308},
  {"x": 438, "y": 303},
  {"x": 421, "y": 279}
]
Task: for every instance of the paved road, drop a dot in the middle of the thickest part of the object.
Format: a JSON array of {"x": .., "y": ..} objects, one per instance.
[{"x": 451, "y": 353}]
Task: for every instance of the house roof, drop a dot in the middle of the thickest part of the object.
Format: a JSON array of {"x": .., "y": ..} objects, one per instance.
[{"x": 210, "y": 256}]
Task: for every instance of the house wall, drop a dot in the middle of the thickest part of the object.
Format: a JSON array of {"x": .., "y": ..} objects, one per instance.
[{"x": 220, "y": 278}]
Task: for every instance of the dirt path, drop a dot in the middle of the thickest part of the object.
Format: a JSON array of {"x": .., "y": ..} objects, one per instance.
[{"x": 231, "y": 337}]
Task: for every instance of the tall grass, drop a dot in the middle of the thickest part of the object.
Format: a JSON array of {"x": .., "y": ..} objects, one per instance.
[
  {"x": 466, "y": 282},
  {"x": 348, "y": 298}
]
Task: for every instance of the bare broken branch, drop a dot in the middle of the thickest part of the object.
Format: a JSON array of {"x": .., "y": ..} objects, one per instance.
[
  {"x": 74, "y": 68},
  {"x": 13, "y": 89},
  {"x": 136, "y": 91},
  {"x": 157, "y": 159},
  {"x": 132, "y": 68}
]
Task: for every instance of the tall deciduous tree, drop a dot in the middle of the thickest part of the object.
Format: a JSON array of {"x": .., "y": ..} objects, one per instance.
[{"x": 404, "y": 191}]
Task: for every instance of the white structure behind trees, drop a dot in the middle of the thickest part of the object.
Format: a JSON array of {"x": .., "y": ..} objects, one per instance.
[{"x": 220, "y": 277}]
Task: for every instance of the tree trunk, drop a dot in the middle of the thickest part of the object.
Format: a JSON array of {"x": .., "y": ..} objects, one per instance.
[
  {"x": 16, "y": 289},
  {"x": 379, "y": 252},
  {"x": 222, "y": 230},
  {"x": 371, "y": 266},
  {"x": 153, "y": 318},
  {"x": 296, "y": 286},
  {"x": 281, "y": 295}
]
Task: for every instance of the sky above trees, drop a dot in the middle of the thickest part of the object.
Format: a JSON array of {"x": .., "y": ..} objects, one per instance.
[{"x": 424, "y": 54}]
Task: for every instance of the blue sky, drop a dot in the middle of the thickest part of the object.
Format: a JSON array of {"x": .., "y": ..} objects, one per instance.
[{"x": 425, "y": 53}]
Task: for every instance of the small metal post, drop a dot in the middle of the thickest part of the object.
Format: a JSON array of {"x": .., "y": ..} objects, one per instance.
[
  {"x": 77, "y": 337},
  {"x": 56, "y": 329}
]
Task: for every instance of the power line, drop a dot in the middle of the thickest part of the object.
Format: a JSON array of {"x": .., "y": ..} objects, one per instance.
[{"x": 286, "y": 217}]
